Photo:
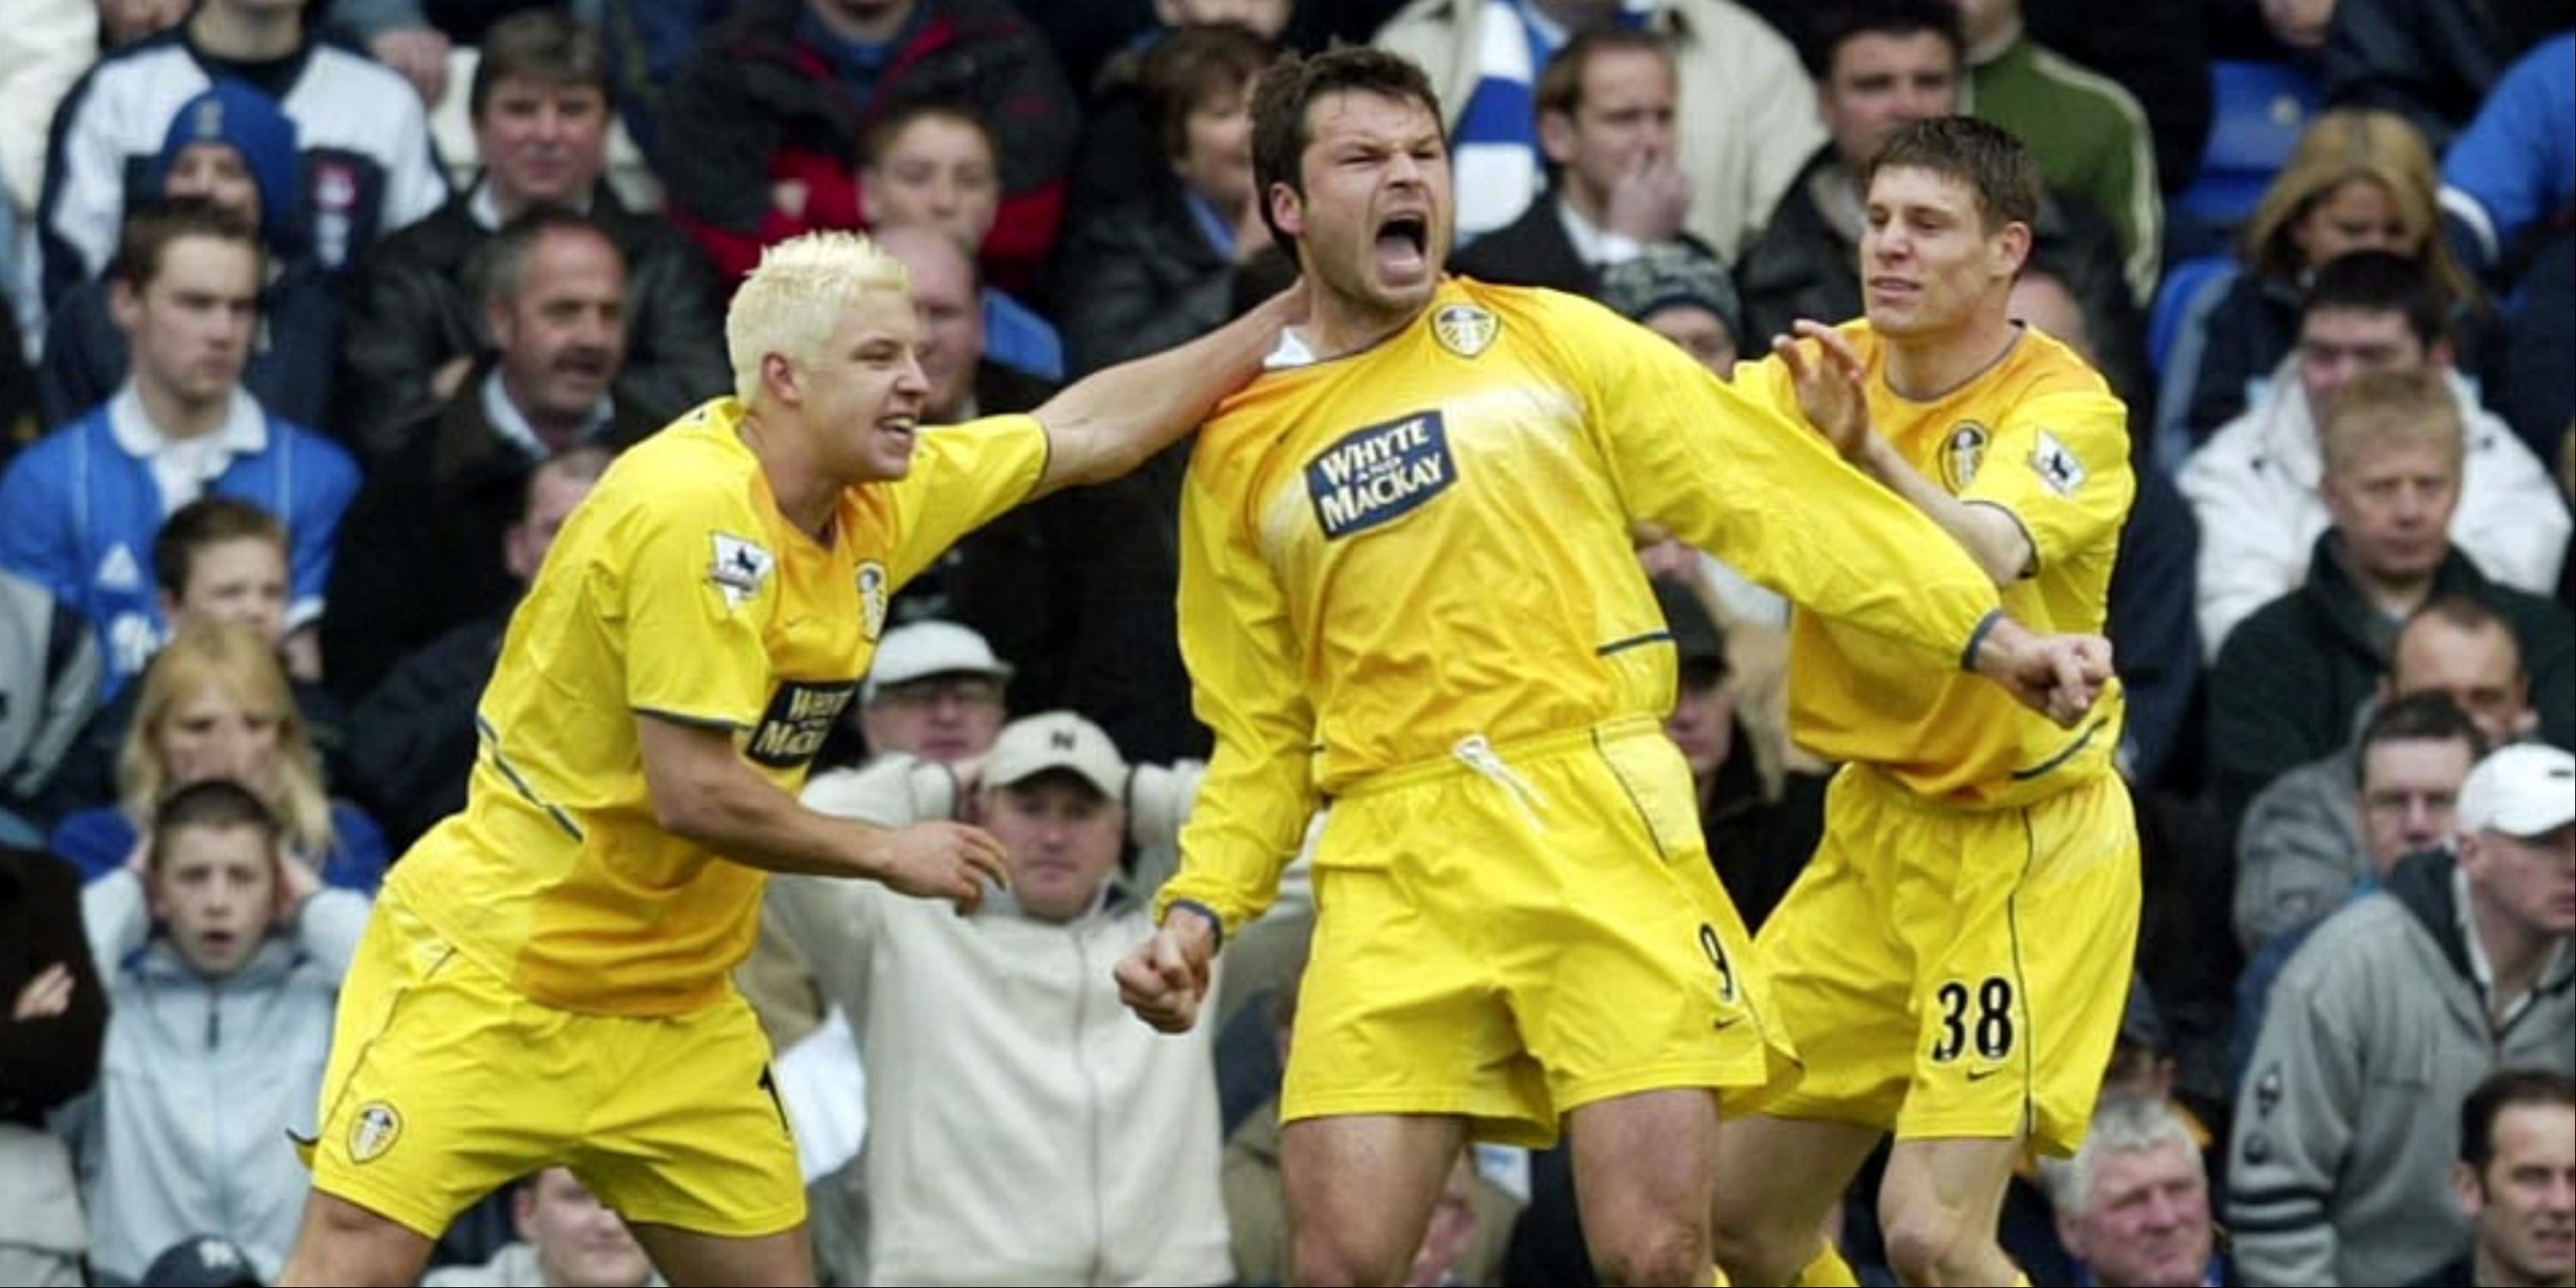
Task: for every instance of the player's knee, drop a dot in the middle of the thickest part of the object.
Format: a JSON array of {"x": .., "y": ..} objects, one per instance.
[
  {"x": 1667, "y": 1253},
  {"x": 1329, "y": 1258},
  {"x": 1927, "y": 1243},
  {"x": 1757, "y": 1252}
]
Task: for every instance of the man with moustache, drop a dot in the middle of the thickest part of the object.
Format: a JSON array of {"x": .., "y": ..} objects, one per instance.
[{"x": 421, "y": 551}]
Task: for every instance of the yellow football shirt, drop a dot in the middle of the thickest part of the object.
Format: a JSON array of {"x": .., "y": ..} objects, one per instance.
[
  {"x": 1390, "y": 551},
  {"x": 678, "y": 591},
  {"x": 2041, "y": 436}
]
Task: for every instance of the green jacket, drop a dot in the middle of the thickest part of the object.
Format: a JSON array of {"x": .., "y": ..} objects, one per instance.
[{"x": 2091, "y": 139}]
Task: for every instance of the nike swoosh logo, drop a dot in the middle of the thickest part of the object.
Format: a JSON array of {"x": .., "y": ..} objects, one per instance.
[
  {"x": 1718, "y": 1026},
  {"x": 1980, "y": 1075}
]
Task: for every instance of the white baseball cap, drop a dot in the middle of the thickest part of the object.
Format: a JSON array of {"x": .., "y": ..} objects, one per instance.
[
  {"x": 2524, "y": 790},
  {"x": 1057, "y": 740},
  {"x": 920, "y": 650}
]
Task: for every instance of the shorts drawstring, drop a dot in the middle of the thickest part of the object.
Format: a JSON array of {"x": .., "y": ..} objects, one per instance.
[{"x": 1477, "y": 754}]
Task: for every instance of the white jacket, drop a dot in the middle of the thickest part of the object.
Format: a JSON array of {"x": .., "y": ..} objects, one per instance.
[
  {"x": 44, "y": 46},
  {"x": 1746, "y": 122},
  {"x": 2254, "y": 489},
  {"x": 1023, "y": 1127}
]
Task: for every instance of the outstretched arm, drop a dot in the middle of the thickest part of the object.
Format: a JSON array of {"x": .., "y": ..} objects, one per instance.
[
  {"x": 703, "y": 791},
  {"x": 1112, "y": 420}
]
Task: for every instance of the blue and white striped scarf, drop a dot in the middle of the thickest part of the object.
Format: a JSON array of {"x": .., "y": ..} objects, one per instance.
[{"x": 1494, "y": 150}]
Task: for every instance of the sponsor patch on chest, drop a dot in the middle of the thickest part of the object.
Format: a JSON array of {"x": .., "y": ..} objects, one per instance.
[
  {"x": 800, "y": 716},
  {"x": 1379, "y": 474}
]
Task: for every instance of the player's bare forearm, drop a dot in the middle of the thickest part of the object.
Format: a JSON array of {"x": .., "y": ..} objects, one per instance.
[
  {"x": 1112, "y": 420},
  {"x": 703, "y": 792},
  {"x": 1990, "y": 535}
]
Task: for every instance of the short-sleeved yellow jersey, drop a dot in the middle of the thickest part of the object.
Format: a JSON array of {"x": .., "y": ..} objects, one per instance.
[
  {"x": 2040, "y": 436},
  {"x": 676, "y": 591},
  {"x": 1388, "y": 552}
]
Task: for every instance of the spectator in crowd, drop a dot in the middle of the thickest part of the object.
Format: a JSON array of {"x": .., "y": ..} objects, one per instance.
[
  {"x": 2413, "y": 756},
  {"x": 2289, "y": 681},
  {"x": 2514, "y": 169},
  {"x": 2516, "y": 1180},
  {"x": 2132, "y": 1205},
  {"x": 2259, "y": 487},
  {"x": 215, "y": 705},
  {"x": 86, "y": 500},
  {"x": 232, "y": 146},
  {"x": 421, "y": 549},
  {"x": 2154, "y": 637},
  {"x": 1743, "y": 127},
  {"x": 367, "y": 165},
  {"x": 1155, "y": 264},
  {"x": 761, "y": 129},
  {"x": 2358, "y": 180},
  {"x": 1684, "y": 295},
  {"x": 49, "y": 676},
  {"x": 567, "y": 1239},
  {"x": 2432, "y": 62},
  {"x": 419, "y": 317},
  {"x": 2089, "y": 134},
  {"x": 54, "y": 1013},
  {"x": 2404, "y": 1001},
  {"x": 222, "y": 955},
  {"x": 1880, "y": 65},
  {"x": 420, "y": 738},
  {"x": 935, "y": 164},
  {"x": 2336, "y": 824},
  {"x": 1605, "y": 106},
  {"x": 217, "y": 559},
  {"x": 1120, "y": 154},
  {"x": 1023, "y": 1129}
]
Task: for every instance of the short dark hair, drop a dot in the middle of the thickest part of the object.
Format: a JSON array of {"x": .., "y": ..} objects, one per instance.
[
  {"x": 1282, "y": 103},
  {"x": 2430, "y": 716},
  {"x": 1560, "y": 83},
  {"x": 2502, "y": 1090},
  {"x": 1831, "y": 25},
  {"x": 149, "y": 230},
  {"x": 880, "y": 133},
  {"x": 548, "y": 46},
  {"x": 2382, "y": 281},
  {"x": 500, "y": 265},
  {"x": 1193, "y": 65},
  {"x": 218, "y": 803},
  {"x": 208, "y": 520},
  {"x": 1981, "y": 154}
]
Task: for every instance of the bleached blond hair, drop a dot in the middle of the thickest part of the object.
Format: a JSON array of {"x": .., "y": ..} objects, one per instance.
[{"x": 790, "y": 303}]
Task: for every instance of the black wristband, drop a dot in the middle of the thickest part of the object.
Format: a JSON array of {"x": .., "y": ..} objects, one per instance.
[{"x": 1216, "y": 924}]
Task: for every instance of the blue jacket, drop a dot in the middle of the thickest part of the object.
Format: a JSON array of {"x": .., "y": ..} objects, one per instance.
[
  {"x": 201, "y": 1081},
  {"x": 82, "y": 513}
]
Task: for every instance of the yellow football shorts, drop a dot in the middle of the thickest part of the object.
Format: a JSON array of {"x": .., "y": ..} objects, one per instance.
[
  {"x": 445, "y": 1083},
  {"x": 1520, "y": 931},
  {"x": 1955, "y": 973}
]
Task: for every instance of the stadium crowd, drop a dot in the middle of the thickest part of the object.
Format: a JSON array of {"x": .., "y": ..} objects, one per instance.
[{"x": 323, "y": 315}]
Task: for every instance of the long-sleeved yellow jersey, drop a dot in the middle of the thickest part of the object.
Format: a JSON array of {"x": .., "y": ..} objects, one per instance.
[
  {"x": 677, "y": 591},
  {"x": 1391, "y": 551},
  {"x": 2040, "y": 436}
]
